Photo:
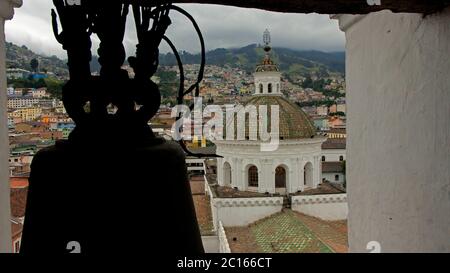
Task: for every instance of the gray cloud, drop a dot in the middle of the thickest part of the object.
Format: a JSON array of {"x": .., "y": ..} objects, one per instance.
[{"x": 221, "y": 27}]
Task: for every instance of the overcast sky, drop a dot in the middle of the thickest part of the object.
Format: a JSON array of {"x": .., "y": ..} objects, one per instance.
[{"x": 221, "y": 27}]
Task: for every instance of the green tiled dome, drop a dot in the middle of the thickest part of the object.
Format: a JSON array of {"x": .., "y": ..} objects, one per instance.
[{"x": 294, "y": 123}]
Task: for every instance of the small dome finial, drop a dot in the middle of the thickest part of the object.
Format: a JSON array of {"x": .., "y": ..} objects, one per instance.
[
  {"x": 266, "y": 37},
  {"x": 266, "y": 40},
  {"x": 267, "y": 64}
]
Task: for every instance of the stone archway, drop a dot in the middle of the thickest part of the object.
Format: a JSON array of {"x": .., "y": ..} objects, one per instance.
[{"x": 227, "y": 181}]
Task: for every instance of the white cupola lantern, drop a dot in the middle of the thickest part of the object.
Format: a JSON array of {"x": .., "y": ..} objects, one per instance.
[{"x": 267, "y": 75}]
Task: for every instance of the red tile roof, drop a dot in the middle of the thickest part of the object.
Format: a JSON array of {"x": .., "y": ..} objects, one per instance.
[
  {"x": 18, "y": 195},
  {"x": 323, "y": 188},
  {"x": 334, "y": 143},
  {"x": 18, "y": 182},
  {"x": 333, "y": 167}
]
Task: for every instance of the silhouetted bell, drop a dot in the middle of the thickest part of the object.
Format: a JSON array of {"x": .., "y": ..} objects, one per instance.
[{"x": 112, "y": 187}]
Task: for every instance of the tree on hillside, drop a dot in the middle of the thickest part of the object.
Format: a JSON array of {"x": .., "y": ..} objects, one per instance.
[
  {"x": 54, "y": 87},
  {"x": 318, "y": 85},
  {"x": 168, "y": 83},
  {"x": 34, "y": 64},
  {"x": 307, "y": 83}
]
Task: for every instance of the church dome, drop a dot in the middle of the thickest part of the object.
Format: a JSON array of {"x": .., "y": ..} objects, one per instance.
[
  {"x": 293, "y": 122},
  {"x": 295, "y": 150}
]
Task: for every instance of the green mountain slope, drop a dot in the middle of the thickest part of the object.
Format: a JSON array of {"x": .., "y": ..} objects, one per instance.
[
  {"x": 21, "y": 56},
  {"x": 291, "y": 62}
]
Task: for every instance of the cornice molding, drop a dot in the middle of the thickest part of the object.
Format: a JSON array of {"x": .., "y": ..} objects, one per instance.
[
  {"x": 248, "y": 202},
  {"x": 301, "y": 141},
  {"x": 319, "y": 199}
]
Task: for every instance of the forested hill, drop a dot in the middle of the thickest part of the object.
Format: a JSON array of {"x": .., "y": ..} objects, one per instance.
[{"x": 290, "y": 61}]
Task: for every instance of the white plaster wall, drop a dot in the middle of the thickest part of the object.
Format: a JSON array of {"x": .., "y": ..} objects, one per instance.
[
  {"x": 330, "y": 177},
  {"x": 327, "y": 207},
  {"x": 244, "y": 211},
  {"x": 265, "y": 78},
  {"x": 210, "y": 194},
  {"x": 211, "y": 244},
  {"x": 6, "y": 13},
  {"x": 317, "y": 171},
  {"x": 5, "y": 207},
  {"x": 190, "y": 161},
  {"x": 224, "y": 246},
  {"x": 333, "y": 154},
  {"x": 293, "y": 154},
  {"x": 398, "y": 146},
  {"x": 220, "y": 174}
]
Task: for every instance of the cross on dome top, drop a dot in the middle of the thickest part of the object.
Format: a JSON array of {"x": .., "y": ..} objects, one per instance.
[
  {"x": 267, "y": 64},
  {"x": 266, "y": 37}
]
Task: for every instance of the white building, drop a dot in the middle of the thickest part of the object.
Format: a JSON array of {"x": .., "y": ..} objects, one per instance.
[
  {"x": 17, "y": 92},
  {"x": 17, "y": 73},
  {"x": 322, "y": 110},
  {"x": 294, "y": 166},
  {"x": 21, "y": 102},
  {"x": 333, "y": 172},
  {"x": 333, "y": 150},
  {"x": 195, "y": 165},
  {"x": 341, "y": 107},
  {"x": 39, "y": 93},
  {"x": 10, "y": 122},
  {"x": 10, "y": 91}
]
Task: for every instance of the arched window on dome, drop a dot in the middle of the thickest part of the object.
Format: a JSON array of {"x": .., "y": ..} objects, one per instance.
[
  {"x": 308, "y": 175},
  {"x": 253, "y": 176},
  {"x": 280, "y": 177},
  {"x": 269, "y": 88},
  {"x": 260, "y": 88},
  {"x": 278, "y": 88},
  {"x": 227, "y": 174}
]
